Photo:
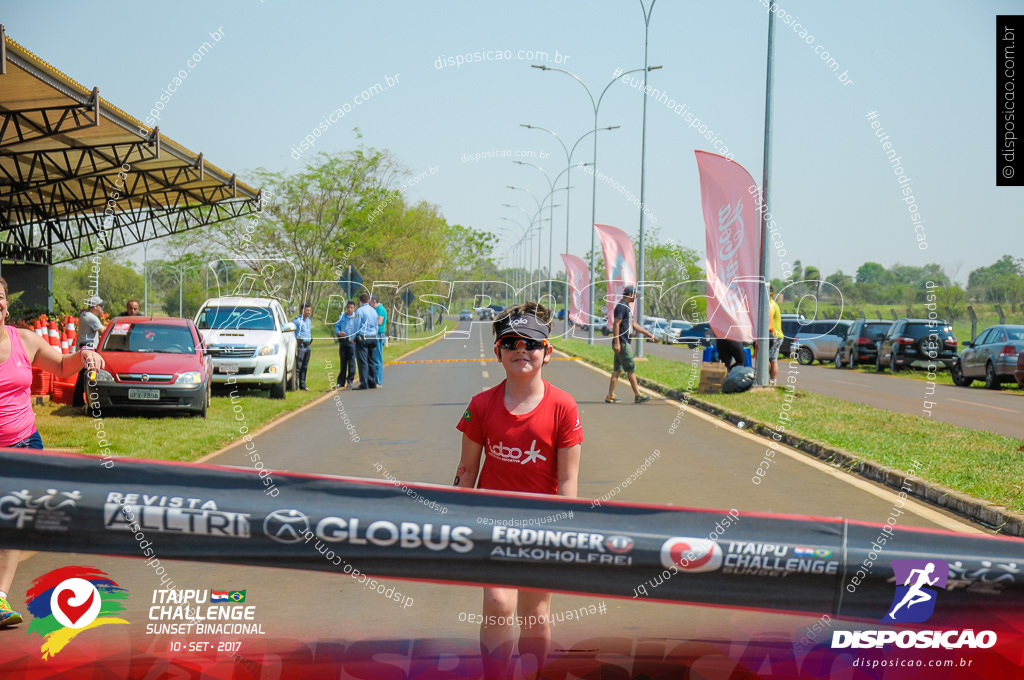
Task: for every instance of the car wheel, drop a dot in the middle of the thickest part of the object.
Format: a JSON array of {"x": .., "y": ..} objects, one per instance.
[
  {"x": 293, "y": 381},
  {"x": 894, "y": 367},
  {"x": 957, "y": 373},
  {"x": 991, "y": 379},
  {"x": 839, "y": 361},
  {"x": 878, "y": 362},
  {"x": 201, "y": 412},
  {"x": 805, "y": 356},
  {"x": 278, "y": 389},
  {"x": 853, "y": 359}
]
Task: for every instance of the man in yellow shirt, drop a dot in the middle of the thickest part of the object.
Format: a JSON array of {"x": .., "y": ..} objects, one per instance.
[{"x": 775, "y": 325}]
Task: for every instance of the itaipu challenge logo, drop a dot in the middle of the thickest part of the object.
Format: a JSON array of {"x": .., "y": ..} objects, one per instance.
[{"x": 69, "y": 601}]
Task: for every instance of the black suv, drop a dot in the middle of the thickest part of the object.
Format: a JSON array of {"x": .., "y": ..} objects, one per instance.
[
  {"x": 861, "y": 344},
  {"x": 916, "y": 341}
]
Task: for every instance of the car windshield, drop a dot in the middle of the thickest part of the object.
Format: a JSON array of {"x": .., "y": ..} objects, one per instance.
[
  {"x": 149, "y": 337},
  {"x": 240, "y": 318}
]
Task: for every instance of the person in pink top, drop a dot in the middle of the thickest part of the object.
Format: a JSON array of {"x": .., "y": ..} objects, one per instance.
[
  {"x": 20, "y": 350},
  {"x": 529, "y": 434}
]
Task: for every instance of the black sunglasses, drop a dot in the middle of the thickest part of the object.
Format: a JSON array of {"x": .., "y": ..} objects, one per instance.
[{"x": 514, "y": 343}]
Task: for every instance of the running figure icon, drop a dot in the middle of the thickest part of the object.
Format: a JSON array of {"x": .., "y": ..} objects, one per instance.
[{"x": 915, "y": 594}]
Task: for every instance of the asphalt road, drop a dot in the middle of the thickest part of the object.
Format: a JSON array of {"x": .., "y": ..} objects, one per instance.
[
  {"x": 407, "y": 428},
  {"x": 976, "y": 407}
]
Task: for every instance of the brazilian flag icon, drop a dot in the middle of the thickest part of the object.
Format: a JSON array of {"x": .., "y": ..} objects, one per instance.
[{"x": 237, "y": 596}]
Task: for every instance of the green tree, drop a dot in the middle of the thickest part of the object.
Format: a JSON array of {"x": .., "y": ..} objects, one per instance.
[{"x": 74, "y": 282}]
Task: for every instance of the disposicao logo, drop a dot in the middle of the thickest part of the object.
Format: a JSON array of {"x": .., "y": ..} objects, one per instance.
[
  {"x": 914, "y": 602},
  {"x": 70, "y": 600}
]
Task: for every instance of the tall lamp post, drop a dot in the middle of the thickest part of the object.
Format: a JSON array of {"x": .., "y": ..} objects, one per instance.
[
  {"x": 551, "y": 230},
  {"x": 596, "y": 104},
  {"x": 643, "y": 174},
  {"x": 523, "y": 235},
  {"x": 568, "y": 162}
]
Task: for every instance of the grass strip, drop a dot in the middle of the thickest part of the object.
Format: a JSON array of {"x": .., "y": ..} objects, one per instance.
[{"x": 981, "y": 464}]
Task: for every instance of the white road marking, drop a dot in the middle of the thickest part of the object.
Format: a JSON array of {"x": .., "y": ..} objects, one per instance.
[
  {"x": 486, "y": 374},
  {"x": 846, "y": 382},
  {"x": 919, "y": 509}
]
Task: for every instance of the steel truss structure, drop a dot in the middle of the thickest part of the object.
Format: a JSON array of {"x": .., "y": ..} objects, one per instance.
[{"x": 79, "y": 176}]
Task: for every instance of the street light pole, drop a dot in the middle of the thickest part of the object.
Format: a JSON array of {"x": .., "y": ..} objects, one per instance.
[
  {"x": 643, "y": 174},
  {"x": 568, "y": 162},
  {"x": 593, "y": 199}
]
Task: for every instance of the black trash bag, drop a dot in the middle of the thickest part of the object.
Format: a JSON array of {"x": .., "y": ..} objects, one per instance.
[{"x": 740, "y": 379}]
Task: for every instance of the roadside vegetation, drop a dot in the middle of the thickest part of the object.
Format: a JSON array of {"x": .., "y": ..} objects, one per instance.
[{"x": 984, "y": 465}]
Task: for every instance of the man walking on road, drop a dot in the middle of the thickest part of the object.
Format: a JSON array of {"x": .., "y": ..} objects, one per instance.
[
  {"x": 345, "y": 329},
  {"x": 621, "y": 336},
  {"x": 304, "y": 338},
  {"x": 366, "y": 341}
]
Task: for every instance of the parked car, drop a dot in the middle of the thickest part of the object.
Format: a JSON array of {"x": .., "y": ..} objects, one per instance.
[
  {"x": 916, "y": 342},
  {"x": 1019, "y": 373},
  {"x": 466, "y": 315},
  {"x": 819, "y": 340},
  {"x": 251, "y": 342},
  {"x": 677, "y": 327},
  {"x": 153, "y": 364},
  {"x": 699, "y": 334},
  {"x": 992, "y": 357},
  {"x": 861, "y": 343},
  {"x": 658, "y": 327},
  {"x": 792, "y": 324}
]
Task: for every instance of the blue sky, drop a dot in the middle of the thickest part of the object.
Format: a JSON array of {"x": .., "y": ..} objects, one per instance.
[{"x": 927, "y": 69}]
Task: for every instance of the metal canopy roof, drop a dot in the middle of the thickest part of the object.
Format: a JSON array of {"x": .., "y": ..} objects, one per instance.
[{"x": 79, "y": 175}]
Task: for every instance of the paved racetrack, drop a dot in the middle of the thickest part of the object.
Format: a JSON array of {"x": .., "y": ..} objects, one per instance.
[{"x": 407, "y": 428}]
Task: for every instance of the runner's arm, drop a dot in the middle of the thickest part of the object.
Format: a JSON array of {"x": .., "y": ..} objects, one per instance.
[
  {"x": 568, "y": 470},
  {"x": 469, "y": 463}
]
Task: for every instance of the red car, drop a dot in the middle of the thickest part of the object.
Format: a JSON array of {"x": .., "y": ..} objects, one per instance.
[{"x": 153, "y": 364}]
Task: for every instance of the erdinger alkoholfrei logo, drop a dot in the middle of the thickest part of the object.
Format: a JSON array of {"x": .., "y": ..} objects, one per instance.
[
  {"x": 71, "y": 600},
  {"x": 916, "y": 590}
]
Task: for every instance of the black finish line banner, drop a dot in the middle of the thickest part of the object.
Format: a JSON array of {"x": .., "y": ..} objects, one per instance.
[{"x": 158, "y": 510}]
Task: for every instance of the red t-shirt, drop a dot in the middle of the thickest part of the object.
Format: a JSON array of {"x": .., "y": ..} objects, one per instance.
[{"x": 521, "y": 451}]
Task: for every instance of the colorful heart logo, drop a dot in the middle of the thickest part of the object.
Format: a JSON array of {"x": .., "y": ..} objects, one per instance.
[{"x": 75, "y": 603}]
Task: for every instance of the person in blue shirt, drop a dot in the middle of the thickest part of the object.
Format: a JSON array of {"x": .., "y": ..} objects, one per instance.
[
  {"x": 366, "y": 342},
  {"x": 345, "y": 329},
  {"x": 382, "y": 334},
  {"x": 304, "y": 338}
]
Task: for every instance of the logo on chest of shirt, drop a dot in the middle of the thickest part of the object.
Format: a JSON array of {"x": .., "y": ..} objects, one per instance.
[{"x": 512, "y": 454}]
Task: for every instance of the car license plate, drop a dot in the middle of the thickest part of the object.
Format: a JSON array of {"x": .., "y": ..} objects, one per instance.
[
  {"x": 148, "y": 395},
  {"x": 228, "y": 369}
]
